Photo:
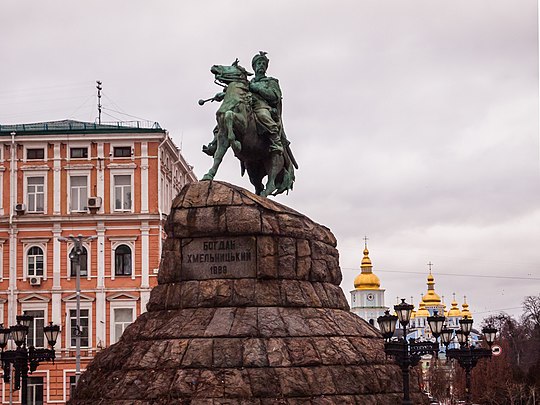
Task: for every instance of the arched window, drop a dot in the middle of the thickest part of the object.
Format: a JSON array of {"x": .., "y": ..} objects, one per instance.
[
  {"x": 122, "y": 261},
  {"x": 84, "y": 262},
  {"x": 35, "y": 261}
]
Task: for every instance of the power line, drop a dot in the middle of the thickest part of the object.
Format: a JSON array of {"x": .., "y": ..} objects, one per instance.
[
  {"x": 496, "y": 310},
  {"x": 452, "y": 274},
  {"x": 112, "y": 116},
  {"x": 38, "y": 89},
  {"x": 120, "y": 112},
  {"x": 82, "y": 105}
]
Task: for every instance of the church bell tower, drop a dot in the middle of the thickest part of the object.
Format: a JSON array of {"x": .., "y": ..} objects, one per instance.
[{"x": 367, "y": 298}]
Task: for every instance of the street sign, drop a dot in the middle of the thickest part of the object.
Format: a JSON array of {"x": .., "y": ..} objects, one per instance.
[{"x": 496, "y": 350}]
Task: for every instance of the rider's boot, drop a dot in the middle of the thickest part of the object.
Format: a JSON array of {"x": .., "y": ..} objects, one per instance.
[
  {"x": 211, "y": 148},
  {"x": 276, "y": 146},
  {"x": 274, "y": 168}
]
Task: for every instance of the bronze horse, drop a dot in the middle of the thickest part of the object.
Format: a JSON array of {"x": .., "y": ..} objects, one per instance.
[{"x": 237, "y": 128}]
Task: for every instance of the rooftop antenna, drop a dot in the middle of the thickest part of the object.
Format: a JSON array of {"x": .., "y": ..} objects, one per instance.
[{"x": 99, "y": 88}]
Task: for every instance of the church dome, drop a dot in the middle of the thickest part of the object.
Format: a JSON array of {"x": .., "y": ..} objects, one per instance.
[
  {"x": 422, "y": 311},
  {"x": 454, "y": 311},
  {"x": 367, "y": 280},
  {"x": 431, "y": 297},
  {"x": 465, "y": 311}
]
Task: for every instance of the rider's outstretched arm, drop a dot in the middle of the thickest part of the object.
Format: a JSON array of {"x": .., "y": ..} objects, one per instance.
[{"x": 219, "y": 96}]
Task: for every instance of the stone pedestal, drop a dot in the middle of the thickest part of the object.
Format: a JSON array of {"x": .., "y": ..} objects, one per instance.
[{"x": 248, "y": 310}]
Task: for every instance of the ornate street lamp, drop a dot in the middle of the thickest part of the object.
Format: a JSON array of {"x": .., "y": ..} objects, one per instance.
[
  {"x": 4, "y": 336},
  {"x": 467, "y": 355},
  {"x": 406, "y": 353},
  {"x": 490, "y": 333},
  {"x": 19, "y": 333},
  {"x": 387, "y": 324},
  {"x": 446, "y": 336},
  {"x": 51, "y": 333},
  {"x": 25, "y": 320},
  {"x": 465, "y": 325},
  {"x": 436, "y": 323},
  {"x": 24, "y": 359},
  {"x": 462, "y": 337},
  {"x": 404, "y": 311}
]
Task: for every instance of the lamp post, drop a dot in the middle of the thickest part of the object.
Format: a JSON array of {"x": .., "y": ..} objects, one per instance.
[
  {"x": 75, "y": 256},
  {"x": 406, "y": 353},
  {"x": 24, "y": 359},
  {"x": 468, "y": 355}
]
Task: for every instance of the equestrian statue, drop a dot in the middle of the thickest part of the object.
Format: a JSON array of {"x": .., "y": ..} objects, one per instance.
[{"x": 249, "y": 122}]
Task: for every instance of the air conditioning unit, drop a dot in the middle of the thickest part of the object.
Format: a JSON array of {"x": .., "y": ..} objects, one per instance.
[
  {"x": 20, "y": 208},
  {"x": 35, "y": 280},
  {"x": 94, "y": 203}
]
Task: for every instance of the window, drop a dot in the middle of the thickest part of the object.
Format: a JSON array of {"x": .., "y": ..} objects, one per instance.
[
  {"x": 35, "y": 336},
  {"x": 35, "y": 391},
  {"x": 37, "y": 153},
  {"x": 83, "y": 262},
  {"x": 79, "y": 193},
  {"x": 35, "y": 198},
  {"x": 78, "y": 153},
  {"x": 123, "y": 317},
  {"x": 83, "y": 327},
  {"x": 72, "y": 385},
  {"x": 122, "y": 261},
  {"x": 122, "y": 192},
  {"x": 35, "y": 261},
  {"x": 122, "y": 151}
]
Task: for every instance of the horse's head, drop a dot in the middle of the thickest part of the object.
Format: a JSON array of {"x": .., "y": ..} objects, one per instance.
[{"x": 229, "y": 74}]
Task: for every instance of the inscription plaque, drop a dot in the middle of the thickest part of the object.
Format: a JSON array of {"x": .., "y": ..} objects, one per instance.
[{"x": 233, "y": 257}]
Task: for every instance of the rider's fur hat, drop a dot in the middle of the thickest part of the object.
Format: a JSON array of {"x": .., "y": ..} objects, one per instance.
[{"x": 260, "y": 55}]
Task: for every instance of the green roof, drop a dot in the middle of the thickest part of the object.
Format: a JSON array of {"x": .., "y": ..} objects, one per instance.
[{"x": 79, "y": 127}]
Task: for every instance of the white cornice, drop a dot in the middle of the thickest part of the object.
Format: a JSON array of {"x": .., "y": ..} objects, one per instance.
[
  {"x": 35, "y": 168},
  {"x": 122, "y": 166},
  {"x": 33, "y": 239},
  {"x": 83, "y": 166},
  {"x": 122, "y": 238},
  {"x": 33, "y": 218}
]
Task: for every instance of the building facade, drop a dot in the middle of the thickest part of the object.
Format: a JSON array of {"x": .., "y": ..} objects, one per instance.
[
  {"x": 113, "y": 182},
  {"x": 367, "y": 298}
]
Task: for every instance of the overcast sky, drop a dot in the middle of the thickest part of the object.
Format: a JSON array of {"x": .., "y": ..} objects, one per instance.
[{"x": 414, "y": 122}]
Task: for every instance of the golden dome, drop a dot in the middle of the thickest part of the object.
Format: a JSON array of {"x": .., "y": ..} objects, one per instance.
[
  {"x": 454, "y": 311},
  {"x": 366, "y": 261},
  {"x": 366, "y": 280},
  {"x": 431, "y": 297},
  {"x": 465, "y": 311},
  {"x": 422, "y": 311}
]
